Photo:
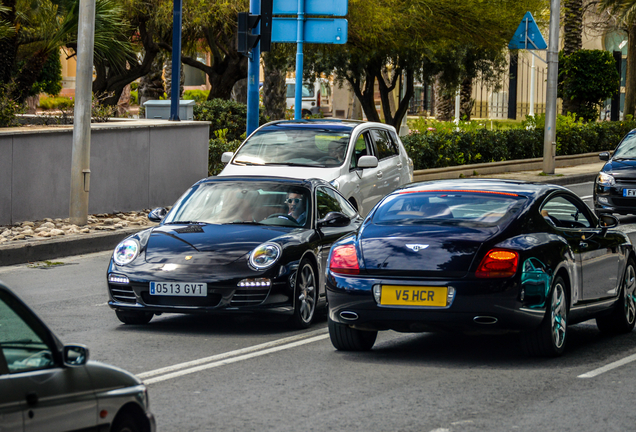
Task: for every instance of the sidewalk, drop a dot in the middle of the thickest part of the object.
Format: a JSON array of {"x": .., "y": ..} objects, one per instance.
[{"x": 25, "y": 251}]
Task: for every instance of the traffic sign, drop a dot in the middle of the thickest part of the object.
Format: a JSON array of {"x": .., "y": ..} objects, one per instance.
[
  {"x": 316, "y": 30},
  {"x": 528, "y": 36},
  {"x": 312, "y": 7}
]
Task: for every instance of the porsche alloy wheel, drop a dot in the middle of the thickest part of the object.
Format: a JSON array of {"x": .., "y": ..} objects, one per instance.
[
  {"x": 305, "y": 295},
  {"x": 623, "y": 316},
  {"x": 549, "y": 338}
]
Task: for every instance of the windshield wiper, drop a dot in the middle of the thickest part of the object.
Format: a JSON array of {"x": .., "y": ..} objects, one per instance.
[
  {"x": 296, "y": 164},
  {"x": 624, "y": 158},
  {"x": 22, "y": 342},
  {"x": 185, "y": 223},
  {"x": 247, "y": 163},
  {"x": 244, "y": 223}
]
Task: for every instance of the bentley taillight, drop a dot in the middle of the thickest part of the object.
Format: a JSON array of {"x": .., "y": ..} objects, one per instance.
[
  {"x": 498, "y": 263},
  {"x": 344, "y": 259}
]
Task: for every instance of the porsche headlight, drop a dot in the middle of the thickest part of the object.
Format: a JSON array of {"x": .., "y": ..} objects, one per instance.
[
  {"x": 265, "y": 256},
  {"x": 605, "y": 179},
  {"x": 126, "y": 251}
]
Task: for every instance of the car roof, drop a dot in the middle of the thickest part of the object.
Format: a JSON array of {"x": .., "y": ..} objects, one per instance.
[
  {"x": 527, "y": 189},
  {"x": 334, "y": 125},
  {"x": 310, "y": 183}
]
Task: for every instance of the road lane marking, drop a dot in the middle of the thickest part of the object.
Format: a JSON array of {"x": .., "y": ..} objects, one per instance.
[
  {"x": 608, "y": 367},
  {"x": 232, "y": 356}
]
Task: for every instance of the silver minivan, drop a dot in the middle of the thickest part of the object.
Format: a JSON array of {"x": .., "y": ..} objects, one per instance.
[{"x": 364, "y": 160}]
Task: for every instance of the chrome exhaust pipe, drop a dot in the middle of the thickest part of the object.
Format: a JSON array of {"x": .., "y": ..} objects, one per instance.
[
  {"x": 485, "y": 320},
  {"x": 348, "y": 315}
]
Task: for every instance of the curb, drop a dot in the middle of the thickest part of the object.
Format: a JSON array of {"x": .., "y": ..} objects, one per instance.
[{"x": 78, "y": 244}]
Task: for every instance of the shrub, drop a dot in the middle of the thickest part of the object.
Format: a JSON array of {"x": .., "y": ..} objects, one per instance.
[
  {"x": 433, "y": 149},
  {"x": 225, "y": 114},
  {"x": 198, "y": 96},
  {"x": 134, "y": 97},
  {"x": 217, "y": 147},
  {"x": 56, "y": 102},
  {"x": 8, "y": 107}
]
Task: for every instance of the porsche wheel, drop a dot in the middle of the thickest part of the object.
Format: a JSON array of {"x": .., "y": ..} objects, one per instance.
[
  {"x": 345, "y": 338},
  {"x": 305, "y": 295},
  {"x": 134, "y": 317},
  {"x": 549, "y": 339},
  {"x": 623, "y": 315},
  {"x": 126, "y": 423}
]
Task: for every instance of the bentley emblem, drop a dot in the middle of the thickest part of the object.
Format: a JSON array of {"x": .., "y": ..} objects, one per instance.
[
  {"x": 416, "y": 247},
  {"x": 188, "y": 257}
]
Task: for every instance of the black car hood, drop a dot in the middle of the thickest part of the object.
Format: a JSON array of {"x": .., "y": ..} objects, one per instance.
[
  {"x": 206, "y": 244},
  {"x": 422, "y": 250},
  {"x": 621, "y": 169}
]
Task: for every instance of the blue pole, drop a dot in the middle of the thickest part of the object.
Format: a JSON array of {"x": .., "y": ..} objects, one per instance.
[
  {"x": 300, "y": 30},
  {"x": 253, "y": 74},
  {"x": 176, "y": 61}
]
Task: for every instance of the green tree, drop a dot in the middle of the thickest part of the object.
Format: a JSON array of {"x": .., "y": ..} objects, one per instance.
[
  {"x": 390, "y": 39},
  {"x": 586, "y": 79},
  {"x": 625, "y": 13}
]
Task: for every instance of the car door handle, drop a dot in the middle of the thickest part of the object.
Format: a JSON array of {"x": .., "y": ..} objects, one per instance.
[
  {"x": 582, "y": 244},
  {"x": 379, "y": 174},
  {"x": 399, "y": 165}
]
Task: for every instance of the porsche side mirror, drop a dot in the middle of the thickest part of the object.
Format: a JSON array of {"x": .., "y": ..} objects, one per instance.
[
  {"x": 334, "y": 219},
  {"x": 367, "y": 162},
  {"x": 157, "y": 215},
  {"x": 606, "y": 221},
  {"x": 75, "y": 355},
  {"x": 604, "y": 156},
  {"x": 226, "y": 157}
]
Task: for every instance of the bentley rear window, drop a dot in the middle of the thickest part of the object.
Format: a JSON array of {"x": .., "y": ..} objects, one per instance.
[{"x": 427, "y": 206}]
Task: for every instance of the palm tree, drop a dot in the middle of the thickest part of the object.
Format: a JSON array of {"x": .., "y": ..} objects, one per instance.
[
  {"x": 572, "y": 37},
  {"x": 625, "y": 12}
]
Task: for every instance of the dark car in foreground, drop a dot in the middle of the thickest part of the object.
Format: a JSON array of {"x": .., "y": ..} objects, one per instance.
[
  {"x": 615, "y": 184},
  {"x": 48, "y": 386},
  {"x": 481, "y": 256},
  {"x": 233, "y": 245}
]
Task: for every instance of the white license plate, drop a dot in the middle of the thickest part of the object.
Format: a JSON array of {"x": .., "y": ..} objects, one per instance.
[
  {"x": 629, "y": 192},
  {"x": 179, "y": 289}
]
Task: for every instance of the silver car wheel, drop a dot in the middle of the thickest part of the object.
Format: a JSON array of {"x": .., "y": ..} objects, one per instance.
[
  {"x": 307, "y": 292},
  {"x": 558, "y": 315},
  {"x": 630, "y": 293}
]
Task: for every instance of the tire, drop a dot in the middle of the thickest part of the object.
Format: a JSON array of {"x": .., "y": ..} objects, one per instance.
[
  {"x": 623, "y": 315},
  {"x": 345, "y": 338},
  {"x": 134, "y": 317},
  {"x": 126, "y": 423},
  {"x": 549, "y": 339},
  {"x": 305, "y": 295}
]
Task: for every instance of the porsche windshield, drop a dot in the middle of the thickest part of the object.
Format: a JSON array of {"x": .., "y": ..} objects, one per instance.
[
  {"x": 251, "y": 202},
  {"x": 461, "y": 206},
  {"x": 310, "y": 147}
]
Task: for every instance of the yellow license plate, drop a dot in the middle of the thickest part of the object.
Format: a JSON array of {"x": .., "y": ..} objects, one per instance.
[{"x": 396, "y": 295}]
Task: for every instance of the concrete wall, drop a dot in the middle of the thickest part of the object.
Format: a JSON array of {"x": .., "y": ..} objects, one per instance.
[{"x": 134, "y": 165}]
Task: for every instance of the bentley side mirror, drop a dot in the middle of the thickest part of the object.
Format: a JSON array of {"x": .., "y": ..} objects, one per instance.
[
  {"x": 157, "y": 215},
  {"x": 604, "y": 156},
  {"x": 334, "y": 219},
  {"x": 606, "y": 221},
  {"x": 226, "y": 157},
  {"x": 75, "y": 355}
]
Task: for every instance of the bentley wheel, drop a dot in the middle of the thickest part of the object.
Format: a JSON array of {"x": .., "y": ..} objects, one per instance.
[
  {"x": 345, "y": 338},
  {"x": 623, "y": 315},
  {"x": 305, "y": 295},
  {"x": 549, "y": 339},
  {"x": 134, "y": 317}
]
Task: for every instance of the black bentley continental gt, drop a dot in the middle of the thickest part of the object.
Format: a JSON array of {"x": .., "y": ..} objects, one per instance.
[
  {"x": 481, "y": 256},
  {"x": 233, "y": 244}
]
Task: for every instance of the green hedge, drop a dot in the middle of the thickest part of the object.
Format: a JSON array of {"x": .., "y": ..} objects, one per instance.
[
  {"x": 225, "y": 114},
  {"x": 432, "y": 149}
]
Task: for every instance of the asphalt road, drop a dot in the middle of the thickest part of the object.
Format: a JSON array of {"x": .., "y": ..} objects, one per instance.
[{"x": 239, "y": 374}]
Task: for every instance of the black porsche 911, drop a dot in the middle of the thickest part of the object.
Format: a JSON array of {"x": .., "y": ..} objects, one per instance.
[
  {"x": 233, "y": 244},
  {"x": 481, "y": 256}
]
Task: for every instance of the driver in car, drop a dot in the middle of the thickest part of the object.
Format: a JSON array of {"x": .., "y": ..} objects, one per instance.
[{"x": 297, "y": 207}]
